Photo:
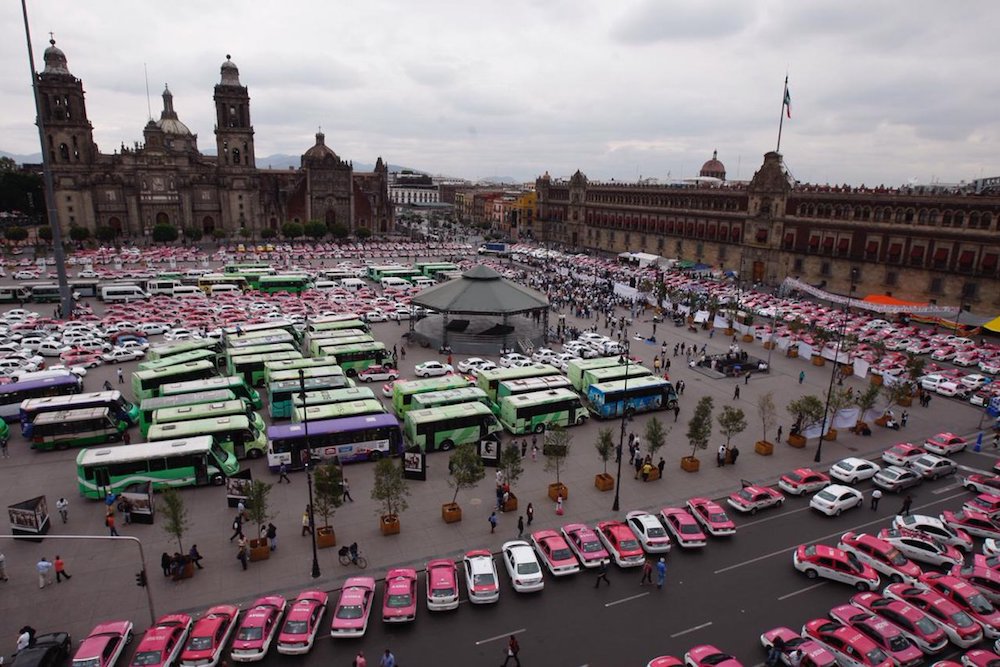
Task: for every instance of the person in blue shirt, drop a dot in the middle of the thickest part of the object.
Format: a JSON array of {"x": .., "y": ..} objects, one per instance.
[{"x": 661, "y": 572}]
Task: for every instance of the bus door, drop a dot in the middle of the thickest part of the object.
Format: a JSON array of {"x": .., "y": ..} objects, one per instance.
[
  {"x": 240, "y": 444},
  {"x": 201, "y": 471},
  {"x": 102, "y": 480}
]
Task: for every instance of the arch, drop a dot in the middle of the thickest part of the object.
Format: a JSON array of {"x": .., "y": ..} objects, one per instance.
[
  {"x": 330, "y": 217},
  {"x": 162, "y": 218},
  {"x": 115, "y": 223},
  {"x": 273, "y": 222},
  {"x": 208, "y": 225},
  {"x": 64, "y": 152},
  {"x": 236, "y": 156}
]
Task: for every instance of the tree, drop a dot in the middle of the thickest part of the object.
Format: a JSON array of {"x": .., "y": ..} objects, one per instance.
[
  {"x": 268, "y": 233},
  {"x": 511, "y": 464},
  {"x": 605, "y": 445},
  {"x": 105, "y": 233},
  {"x": 328, "y": 491},
  {"x": 732, "y": 422},
  {"x": 316, "y": 229},
  {"x": 164, "y": 233},
  {"x": 914, "y": 369},
  {"x": 866, "y": 400},
  {"x": 700, "y": 426},
  {"x": 79, "y": 233},
  {"x": 838, "y": 399},
  {"x": 767, "y": 412},
  {"x": 807, "y": 411},
  {"x": 390, "y": 488},
  {"x": 363, "y": 233},
  {"x": 192, "y": 234},
  {"x": 466, "y": 468},
  {"x": 895, "y": 392},
  {"x": 257, "y": 503},
  {"x": 7, "y": 165},
  {"x": 175, "y": 519},
  {"x": 291, "y": 230},
  {"x": 218, "y": 234},
  {"x": 555, "y": 448},
  {"x": 15, "y": 234},
  {"x": 45, "y": 233},
  {"x": 339, "y": 230},
  {"x": 656, "y": 436}
]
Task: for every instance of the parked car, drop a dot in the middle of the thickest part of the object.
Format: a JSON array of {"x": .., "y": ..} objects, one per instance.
[
  {"x": 442, "y": 585},
  {"x": 104, "y": 645},
  {"x": 209, "y": 636},
  {"x": 522, "y": 566},
  {"x": 819, "y": 560},
  {"x": 711, "y": 516},
  {"x": 650, "y": 532},
  {"x": 432, "y": 368},
  {"x": 555, "y": 552},
  {"x": 481, "y": 580},
  {"x": 378, "y": 373},
  {"x": 834, "y": 499},
  {"x": 753, "y": 497},
  {"x": 48, "y": 650},
  {"x": 162, "y": 643},
  {"x": 302, "y": 623},
  {"x": 802, "y": 481},
  {"x": 585, "y": 543},
  {"x": 930, "y": 466},
  {"x": 896, "y": 478},
  {"x": 852, "y": 470},
  {"x": 258, "y": 628},
  {"x": 354, "y": 607},
  {"x": 399, "y": 604},
  {"x": 683, "y": 527}
]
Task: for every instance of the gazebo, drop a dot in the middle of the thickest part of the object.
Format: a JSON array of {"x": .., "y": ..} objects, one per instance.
[{"x": 481, "y": 313}]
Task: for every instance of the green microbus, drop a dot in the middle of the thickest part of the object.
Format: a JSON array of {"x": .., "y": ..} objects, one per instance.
[
  {"x": 258, "y": 338},
  {"x": 540, "y": 410},
  {"x": 259, "y": 328},
  {"x": 75, "y": 428},
  {"x": 528, "y": 385},
  {"x": 235, "y": 434},
  {"x": 449, "y": 426},
  {"x": 146, "y": 384},
  {"x": 357, "y": 357},
  {"x": 151, "y": 405},
  {"x": 251, "y": 366},
  {"x": 168, "y": 464},
  {"x": 577, "y": 367},
  {"x": 434, "y": 399},
  {"x": 294, "y": 283},
  {"x": 314, "y": 342},
  {"x": 186, "y": 413},
  {"x": 489, "y": 381},
  {"x": 280, "y": 394},
  {"x": 235, "y": 384},
  {"x": 246, "y": 267},
  {"x": 321, "y": 347},
  {"x": 336, "y": 322},
  {"x": 272, "y": 367},
  {"x": 378, "y": 271},
  {"x": 338, "y": 410},
  {"x": 326, "y": 396},
  {"x": 611, "y": 373},
  {"x": 403, "y": 391},
  {"x": 175, "y": 359},
  {"x": 208, "y": 280},
  {"x": 313, "y": 372},
  {"x": 165, "y": 350},
  {"x": 430, "y": 268}
]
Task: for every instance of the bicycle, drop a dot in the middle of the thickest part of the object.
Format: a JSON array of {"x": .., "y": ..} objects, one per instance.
[{"x": 345, "y": 558}]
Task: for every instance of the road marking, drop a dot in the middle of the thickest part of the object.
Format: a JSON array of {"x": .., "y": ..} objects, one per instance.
[
  {"x": 774, "y": 516},
  {"x": 628, "y": 599},
  {"x": 946, "y": 489},
  {"x": 503, "y": 636},
  {"x": 803, "y": 590},
  {"x": 751, "y": 561},
  {"x": 684, "y": 632}
]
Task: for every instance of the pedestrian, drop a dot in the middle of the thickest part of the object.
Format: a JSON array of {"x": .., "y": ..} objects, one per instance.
[
  {"x": 306, "y": 521},
  {"x": 661, "y": 572},
  {"x": 493, "y": 522},
  {"x": 907, "y": 503},
  {"x": 3, "y": 567},
  {"x": 746, "y": 379},
  {"x": 241, "y": 553},
  {"x": 44, "y": 568},
  {"x": 3, "y": 448},
  {"x": 876, "y": 496},
  {"x": 359, "y": 660},
  {"x": 388, "y": 659},
  {"x": 903, "y": 418},
  {"x": 534, "y": 451},
  {"x": 25, "y": 638},
  {"x": 520, "y": 526},
  {"x": 530, "y": 513},
  {"x": 513, "y": 648},
  {"x": 121, "y": 375},
  {"x": 125, "y": 507},
  {"x": 795, "y": 658},
  {"x": 647, "y": 470},
  {"x": 165, "y": 563},
  {"x": 109, "y": 521},
  {"x": 63, "y": 506},
  {"x": 734, "y": 453},
  {"x": 779, "y": 432},
  {"x": 61, "y": 573},
  {"x": 647, "y": 573},
  {"x": 500, "y": 497},
  {"x": 720, "y": 456},
  {"x": 237, "y": 526},
  {"x": 682, "y": 386},
  {"x": 736, "y": 392},
  {"x": 195, "y": 556},
  {"x": 283, "y": 474},
  {"x": 677, "y": 412},
  {"x": 602, "y": 574},
  {"x": 559, "y": 504},
  {"x": 618, "y": 453},
  {"x": 638, "y": 465},
  {"x": 346, "y": 488},
  {"x": 272, "y": 536},
  {"x": 774, "y": 653},
  {"x": 126, "y": 438},
  {"x": 524, "y": 448},
  {"x": 802, "y": 376}
]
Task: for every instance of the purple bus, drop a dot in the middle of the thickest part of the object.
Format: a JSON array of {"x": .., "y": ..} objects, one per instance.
[
  {"x": 12, "y": 394},
  {"x": 361, "y": 438}
]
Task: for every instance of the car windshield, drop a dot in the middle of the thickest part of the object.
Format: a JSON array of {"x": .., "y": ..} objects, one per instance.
[
  {"x": 561, "y": 554},
  {"x": 853, "y": 563},
  {"x": 250, "y": 634},
  {"x": 794, "y": 477},
  {"x": 893, "y": 556},
  {"x": 591, "y": 547},
  {"x": 744, "y": 494},
  {"x": 628, "y": 545},
  {"x": 715, "y": 659},
  {"x": 482, "y": 580},
  {"x": 876, "y": 656},
  {"x": 844, "y": 465},
  {"x": 962, "y": 619},
  {"x": 349, "y": 611},
  {"x": 655, "y": 531},
  {"x": 690, "y": 529},
  {"x": 827, "y": 496},
  {"x": 898, "y": 643},
  {"x": 980, "y": 604},
  {"x": 528, "y": 567},
  {"x": 926, "y": 626},
  {"x": 147, "y": 658},
  {"x": 398, "y": 600},
  {"x": 87, "y": 662},
  {"x": 924, "y": 461},
  {"x": 296, "y": 627},
  {"x": 443, "y": 592},
  {"x": 718, "y": 517},
  {"x": 199, "y": 644}
]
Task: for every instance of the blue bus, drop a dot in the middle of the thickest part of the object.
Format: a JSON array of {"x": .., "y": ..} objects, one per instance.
[
  {"x": 361, "y": 438},
  {"x": 12, "y": 394},
  {"x": 643, "y": 394}
]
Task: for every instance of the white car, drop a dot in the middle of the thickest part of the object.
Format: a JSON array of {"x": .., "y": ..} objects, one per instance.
[
  {"x": 179, "y": 334},
  {"x": 932, "y": 381},
  {"x": 651, "y": 533},
  {"x": 25, "y": 275},
  {"x": 400, "y": 313},
  {"x": 819, "y": 560},
  {"x": 975, "y": 381},
  {"x": 87, "y": 273},
  {"x": 543, "y": 355},
  {"x": 375, "y": 316},
  {"x": 852, "y": 470},
  {"x": 931, "y": 466},
  {"x": 51, "y": 348},
  {"x": 561, "y": 361},
  {"x": 432, "y": 368},
  {"x": 11, "y": 366},
  {"x": 581, "y": 349},
  {"x": 523, "y": 567},
  {"x": 836, "y": 498},
  {"x": 79, "y": 371},
  {"x": 513, "y": 360},
  {"x": 595, "y": 339},
  {"x": 481, "y": 580},
  {"x": 133, "y": 345},
  {"x": 935, "y": 529},
  {"x": 475, "y": 364},
  {"x": 120, "y": 354},
  {"x": 922, "y": 549},
  {"x": 153, "y": 328}
]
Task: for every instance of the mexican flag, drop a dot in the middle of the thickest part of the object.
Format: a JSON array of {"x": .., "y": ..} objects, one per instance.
[{"x": 788, "y": 102}]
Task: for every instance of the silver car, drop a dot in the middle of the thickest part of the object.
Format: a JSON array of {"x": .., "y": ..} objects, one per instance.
[{"x": 931, "y": 466}]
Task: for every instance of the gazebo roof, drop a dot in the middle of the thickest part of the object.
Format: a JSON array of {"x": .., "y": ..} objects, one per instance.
[{"x": 480, "y": 290}]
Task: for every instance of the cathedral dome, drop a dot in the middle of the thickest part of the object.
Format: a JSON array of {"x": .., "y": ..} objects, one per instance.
[
  {"x": 230, "y": 72},
  {"x": 169, "y": 122},
  {"x": 55, "y": 60},
  {"x": 713, "y": 168},
  {"x": 320, "y": 150}
]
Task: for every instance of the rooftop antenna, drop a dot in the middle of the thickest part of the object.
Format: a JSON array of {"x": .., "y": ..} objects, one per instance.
[{"x": 149, "y": 107}]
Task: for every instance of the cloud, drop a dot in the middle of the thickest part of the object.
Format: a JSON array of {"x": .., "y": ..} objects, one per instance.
[{"x": 659, "y": 20}]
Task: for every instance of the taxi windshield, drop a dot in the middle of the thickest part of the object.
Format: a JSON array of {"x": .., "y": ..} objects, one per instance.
[
  {"x": 398, "y": 600},
  {"x": 962, "y": 619},
  {"x": 561, "y": 554},
  {"x": 980, "y": 604},
  {"x": 252, "y": 633},
  {"x": 296, "y": 627},
  {"x": 718, "y": 517},
  {"x": 199, "y": 644},
  {"x": 853, "y": 562},
  {"x": 894, "y": 557},
  {"x": 147, "y": 658},
  {"x": 591, "y": 547},
  {"x": 876, "y": 656}
]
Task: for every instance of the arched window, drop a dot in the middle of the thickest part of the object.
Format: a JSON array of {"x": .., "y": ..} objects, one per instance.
[
  {"x": 64, "y": 152},
  {"x": 208, "y": 225},
  {"x": 236, "y": 156}
]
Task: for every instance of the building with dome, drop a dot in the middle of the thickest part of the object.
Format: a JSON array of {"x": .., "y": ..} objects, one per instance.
[
  {"x": 166, "y": 179},
  {"x": 713, "y": 168}
]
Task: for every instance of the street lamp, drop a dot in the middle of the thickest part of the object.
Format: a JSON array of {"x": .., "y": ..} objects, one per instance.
[
  {"x": 621, "y": 438},
  {"x": 836, "y": 360},
  {"x": 309, "y": 464}
]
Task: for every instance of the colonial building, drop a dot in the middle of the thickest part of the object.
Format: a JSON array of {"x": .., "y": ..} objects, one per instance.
[
  {"x": 166, "y": 179},
  {"x": 937, "y": 244}
]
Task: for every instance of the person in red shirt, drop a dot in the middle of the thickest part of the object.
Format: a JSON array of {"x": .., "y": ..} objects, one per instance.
[{"x": 61, "y": 570}]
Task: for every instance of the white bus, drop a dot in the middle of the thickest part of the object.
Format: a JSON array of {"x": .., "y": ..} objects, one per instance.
[{"x": 125, "y": 293}]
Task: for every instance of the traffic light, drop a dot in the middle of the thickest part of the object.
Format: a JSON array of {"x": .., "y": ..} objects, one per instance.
[{"x": 140, "y": 578}]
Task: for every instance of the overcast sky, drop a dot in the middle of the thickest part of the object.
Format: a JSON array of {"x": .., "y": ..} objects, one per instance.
[{"x": 882, "y": 92}]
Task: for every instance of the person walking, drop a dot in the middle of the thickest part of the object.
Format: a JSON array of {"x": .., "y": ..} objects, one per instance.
[
  {"x": 779, "y": 432},
  {"x": 272, "y": 536},
  {"x": 661, "y": 572},
  {"x": 126, "y": 438},
  {"x": 903, "y": 418},
  {"x": 346, "y": 488},
  {"x": 530, "y": 512},
  {"x": 121, "y": 375},
  {"x": 283, "y": 474},
  {"x": 493, "y": 522},
  {"x": 388, "y": 659},
  {"x": 647, "y": 573},
  {"x": 660, "y": 466},
  {"x": 746, "y": 378},
  {"x": 876, "y": 496},
  {"x": 602, "y": 574},
  {"x": 165, "y": 563},
  {"x": 44, "y": 569},
  {"x": 734, "y": 454},
  {"x": 125, "y": 507},
  {"x": 736, "y": 392},
  {"x": 109, "y": 521},
  {"x": 677, "y": 412},
  {"x": 60, "y": 567},
  {"x": 802, "y": 376},
  {"x": 559, "y": 504},
  {"x": 195, "y": 556},
  {"x": 3, "y": 567},
  {"x": 242, "y": 552},
  {"x": 3, "y": 448},
  {"x": 907, "y": 503},
  {"x": 524, "y": 448},
  {"x": 513, "y": 648},
  {"x": 359, "y": 660},
  {"x": 520, "y": 526},
  {"x": 63, "y": 506},
  {"x": 720, "y": 456},
  {"x": 237, "y": 526},
  {"x": 306, "y": 521}
]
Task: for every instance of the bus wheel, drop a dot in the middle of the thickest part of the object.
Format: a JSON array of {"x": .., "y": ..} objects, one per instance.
[
  {"x": 254, "y": 454},
  {"x": 581, "y": 419},
  {"x": 447, "y": 445},
  {"x": 539, "y": 428},
  {"x": 656, "y": 402},
  {"x": 375, "y": 456},
  {"x": 217, "y": 480},
  {"x": 629, "y": 412}
]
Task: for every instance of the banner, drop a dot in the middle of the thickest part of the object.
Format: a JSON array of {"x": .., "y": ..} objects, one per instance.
[
  {"x": 846, "y": 418},
  {"x": 792, "y": 283}
]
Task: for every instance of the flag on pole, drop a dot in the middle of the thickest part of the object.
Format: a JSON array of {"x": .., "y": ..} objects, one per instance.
[{"x": 788, "y": 101}]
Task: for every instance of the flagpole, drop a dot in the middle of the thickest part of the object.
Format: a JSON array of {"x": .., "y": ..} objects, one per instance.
[{"x": 781, "y": 116}]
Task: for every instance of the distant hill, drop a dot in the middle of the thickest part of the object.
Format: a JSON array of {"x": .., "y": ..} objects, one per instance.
[
  {"x": 498, "y": 180},
  {"x": 33, "y": 158}
]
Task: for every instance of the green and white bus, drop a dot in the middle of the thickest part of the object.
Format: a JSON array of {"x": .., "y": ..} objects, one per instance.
[
  {"x": 434, "y": 399},
  {"x": 185, "y": 413},
  {"x": 489, "y": 381},
  {"x": 120, "y": 407},
  {"x": 450, "y": 425},
  {"x": 207, "y": 281},
  {"x": 335, "y": 322},
  {"x": 231, "y": 382},
  {"x": 528, "y": 385},
  {"x": 294, "y": 283},
  {"x": 378, "y": 271},
  {"x": 337, "y": 410},
  {"x": 612, "y": 373},
  {"x": 272, "y": 367},
  {"x": 329, "y": 335},
  {"x": 147, "y": 383},
  {"x": 403, "y": 391},
  {"x": 166, "y": 350},
  {"x": 327, "y": 396},
  {"x": 263, "y": 268},
  {"x": 312, "y": 372},
  {"x": 280, "y": 394},
  {"x": 241, "y": 330},
  {"x": 540, "y": 410},
  {"x": 321, "y": 347},
  {"x": 75, "y": 428},
  {"x": 172, "y": 463},
  {"x": 260, "y": 338},
  {"x": 430, "y": 268},
  {"x": 234, "y": 434},
  {"x": 357, "y": 357},
  {"x": 150, "y": 405},
  {"x": 258, "y": 350},
  {"x": 251, "y": 366},
  {"x": 175, "y": 359},
  {"x": 577, "y": 367}
]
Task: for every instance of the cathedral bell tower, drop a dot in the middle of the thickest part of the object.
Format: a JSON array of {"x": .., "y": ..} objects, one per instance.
[
  {"x": 69, "y": 136},
  {"x": 233, "y": 131}
]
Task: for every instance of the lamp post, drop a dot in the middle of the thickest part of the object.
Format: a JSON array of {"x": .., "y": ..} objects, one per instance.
[
  {"x": 309, "y": 464},
  {"x": 621, "y": 438},
  {"x": 836, "y": 360}
]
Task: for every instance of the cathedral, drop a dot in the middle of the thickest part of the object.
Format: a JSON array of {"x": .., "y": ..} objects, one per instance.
[{"x": 165, "y": 179}]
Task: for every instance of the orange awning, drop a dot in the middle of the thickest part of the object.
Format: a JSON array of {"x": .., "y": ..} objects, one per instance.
[{"x": 885, "y": 300}]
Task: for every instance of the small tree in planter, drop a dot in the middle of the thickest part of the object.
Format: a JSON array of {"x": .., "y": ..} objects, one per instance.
[
  {"x": 732, "y": 422},
  {"x": 257, "y": 508},
  {"x": 175, "y": 519},
  {"x": 391, "y": 491},
  {"x": 822, "y": 337},
  {"x": 837, "y": 399},
  {"x": 555, "y": 448},
  {"x": 893, "y": 394},
  {"x": 512, "y": 467},
  {"x": 807, "y": 411},
  {"x": 914, "y": 370},
  {"x": 656, "y": 437},
  {"x": 767, "y": 413},
  {"x": 699, "y": 432},
  {"x": 605, "y": 445},
  {"x": 866, "y": 400},
  {"x": 328, "y": 495},
  {"x": 466, "y": 470}
]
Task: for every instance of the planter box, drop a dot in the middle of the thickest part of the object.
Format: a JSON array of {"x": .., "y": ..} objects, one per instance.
[
  {"x": 389, "y": 524},
  {"x": 325, "y": 537},
  {"x": 511, "y": 504},
  {"x": 792, "y": 352},
  {"x": 763, "y": 447},
  {"x": 831, "y": 435},
  {"x": 768, "y": 345},
  {"x": 730, "y": 331},
  {"x": 818, "y": 361},
  {"x": 451, "y": 512},
  {"x": 905, "y": 401},
  {"x": 259, "y": 550},
  {"x": 747, "y": 338},
  {"x": 876, "y": 380},
  {"x": 859, "y": 427},
  {"x": 556, "y": 489},
  {"x": 604, "y": 481},
  {"x": 797, "y": 441},
  {"x": 690, "y": 464},
  {"x": 882, "y": 421},
  {"x": 186, "y": 572},
  {"x": 653, "y": 474}
]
